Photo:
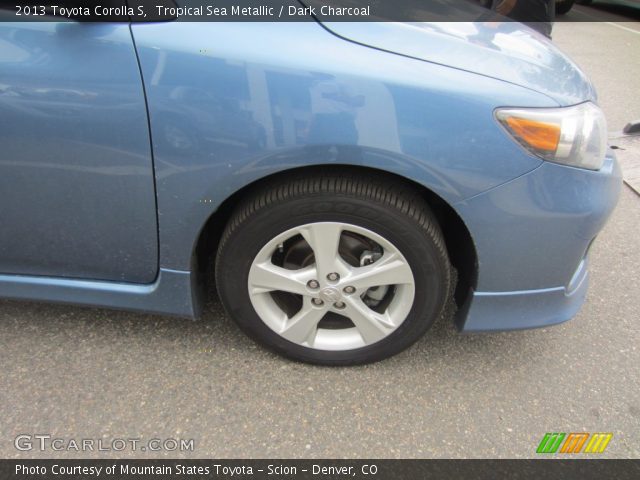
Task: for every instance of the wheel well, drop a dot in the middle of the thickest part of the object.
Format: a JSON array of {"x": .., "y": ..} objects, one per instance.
[{"x": 459, "y": 243}]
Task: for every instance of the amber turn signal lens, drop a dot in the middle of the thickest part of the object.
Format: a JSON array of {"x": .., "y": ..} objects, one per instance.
[
  {"x": 538, "y": 135},
  {"x": 575, "y": 135}
]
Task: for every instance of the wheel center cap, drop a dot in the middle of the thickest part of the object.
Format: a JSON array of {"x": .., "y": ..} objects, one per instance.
[{"x": 330, "y": 294}]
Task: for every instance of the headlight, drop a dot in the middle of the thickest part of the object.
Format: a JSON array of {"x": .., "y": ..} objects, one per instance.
[{"x": 575, "y": 136}]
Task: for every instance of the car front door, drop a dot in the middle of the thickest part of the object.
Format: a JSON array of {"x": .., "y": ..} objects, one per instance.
[{"x": 77, "y": 195}]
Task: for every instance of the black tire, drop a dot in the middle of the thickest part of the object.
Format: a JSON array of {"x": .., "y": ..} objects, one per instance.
[
  {"x": 563, "y": 6},
  {"x": 378, "y": 203}
]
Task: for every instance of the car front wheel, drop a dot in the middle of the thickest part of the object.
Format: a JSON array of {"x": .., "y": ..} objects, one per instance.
[{"x": 338, "y": 269}]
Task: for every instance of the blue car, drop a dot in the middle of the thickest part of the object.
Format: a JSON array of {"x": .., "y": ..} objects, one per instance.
[{"x": 341, "y": 182}]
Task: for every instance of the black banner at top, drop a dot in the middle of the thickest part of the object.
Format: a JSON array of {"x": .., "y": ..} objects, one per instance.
[{"x": 292, "y": 11}]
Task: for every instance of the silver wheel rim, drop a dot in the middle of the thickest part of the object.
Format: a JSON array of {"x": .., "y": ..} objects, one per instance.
[{"x": 331, "y": 289}]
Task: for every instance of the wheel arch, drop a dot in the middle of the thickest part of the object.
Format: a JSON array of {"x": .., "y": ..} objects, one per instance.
[{"x": 459, "y": 242}]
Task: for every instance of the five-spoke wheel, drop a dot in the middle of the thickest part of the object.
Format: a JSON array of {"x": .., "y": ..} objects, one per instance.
[
  {"x": 334, "y": 270},
  {"x": 351, "y": 276}
]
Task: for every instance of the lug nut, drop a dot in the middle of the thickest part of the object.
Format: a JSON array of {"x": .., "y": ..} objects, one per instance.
[
  {"x": 333, "y": 277},
  {"x": 317, "y": 302},
  {"x": 313, "y": 284},
  {"x": 349, "y": 289},
  {"x": 339, "y": 305}
]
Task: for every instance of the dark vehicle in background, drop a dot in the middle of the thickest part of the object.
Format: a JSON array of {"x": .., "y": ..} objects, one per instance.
[
  {"x": 564, "y": 6},
  {"x": 561, "y": 6}
]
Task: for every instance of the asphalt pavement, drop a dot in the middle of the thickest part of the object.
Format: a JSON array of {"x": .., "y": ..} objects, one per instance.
[{"x": 86, "y": 373}]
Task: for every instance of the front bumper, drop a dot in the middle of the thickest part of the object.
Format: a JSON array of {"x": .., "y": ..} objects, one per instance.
[
  {"x": 532, "y": 237},
  {"x": 494, "y": 311}
]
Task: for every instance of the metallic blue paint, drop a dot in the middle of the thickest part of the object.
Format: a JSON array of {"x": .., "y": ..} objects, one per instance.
[
  {"x": 507, "y": 51},
  {"x": 532, "y": 237},
  {"x": 225, "y": 113},
  {"x": 172, "y": 293},
  {"x": 532, "y": 232},
  {"x": 491, "y": 311},
  {"x": 229, "y": 104},
  {"x": 76, "y": 174}
]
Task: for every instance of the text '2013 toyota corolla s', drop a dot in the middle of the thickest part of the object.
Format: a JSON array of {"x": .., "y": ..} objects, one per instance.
[{"x": 343, "y": 181}]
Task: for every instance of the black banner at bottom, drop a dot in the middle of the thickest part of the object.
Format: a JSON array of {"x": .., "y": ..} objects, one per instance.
[{"x": 318, "y": 469}]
